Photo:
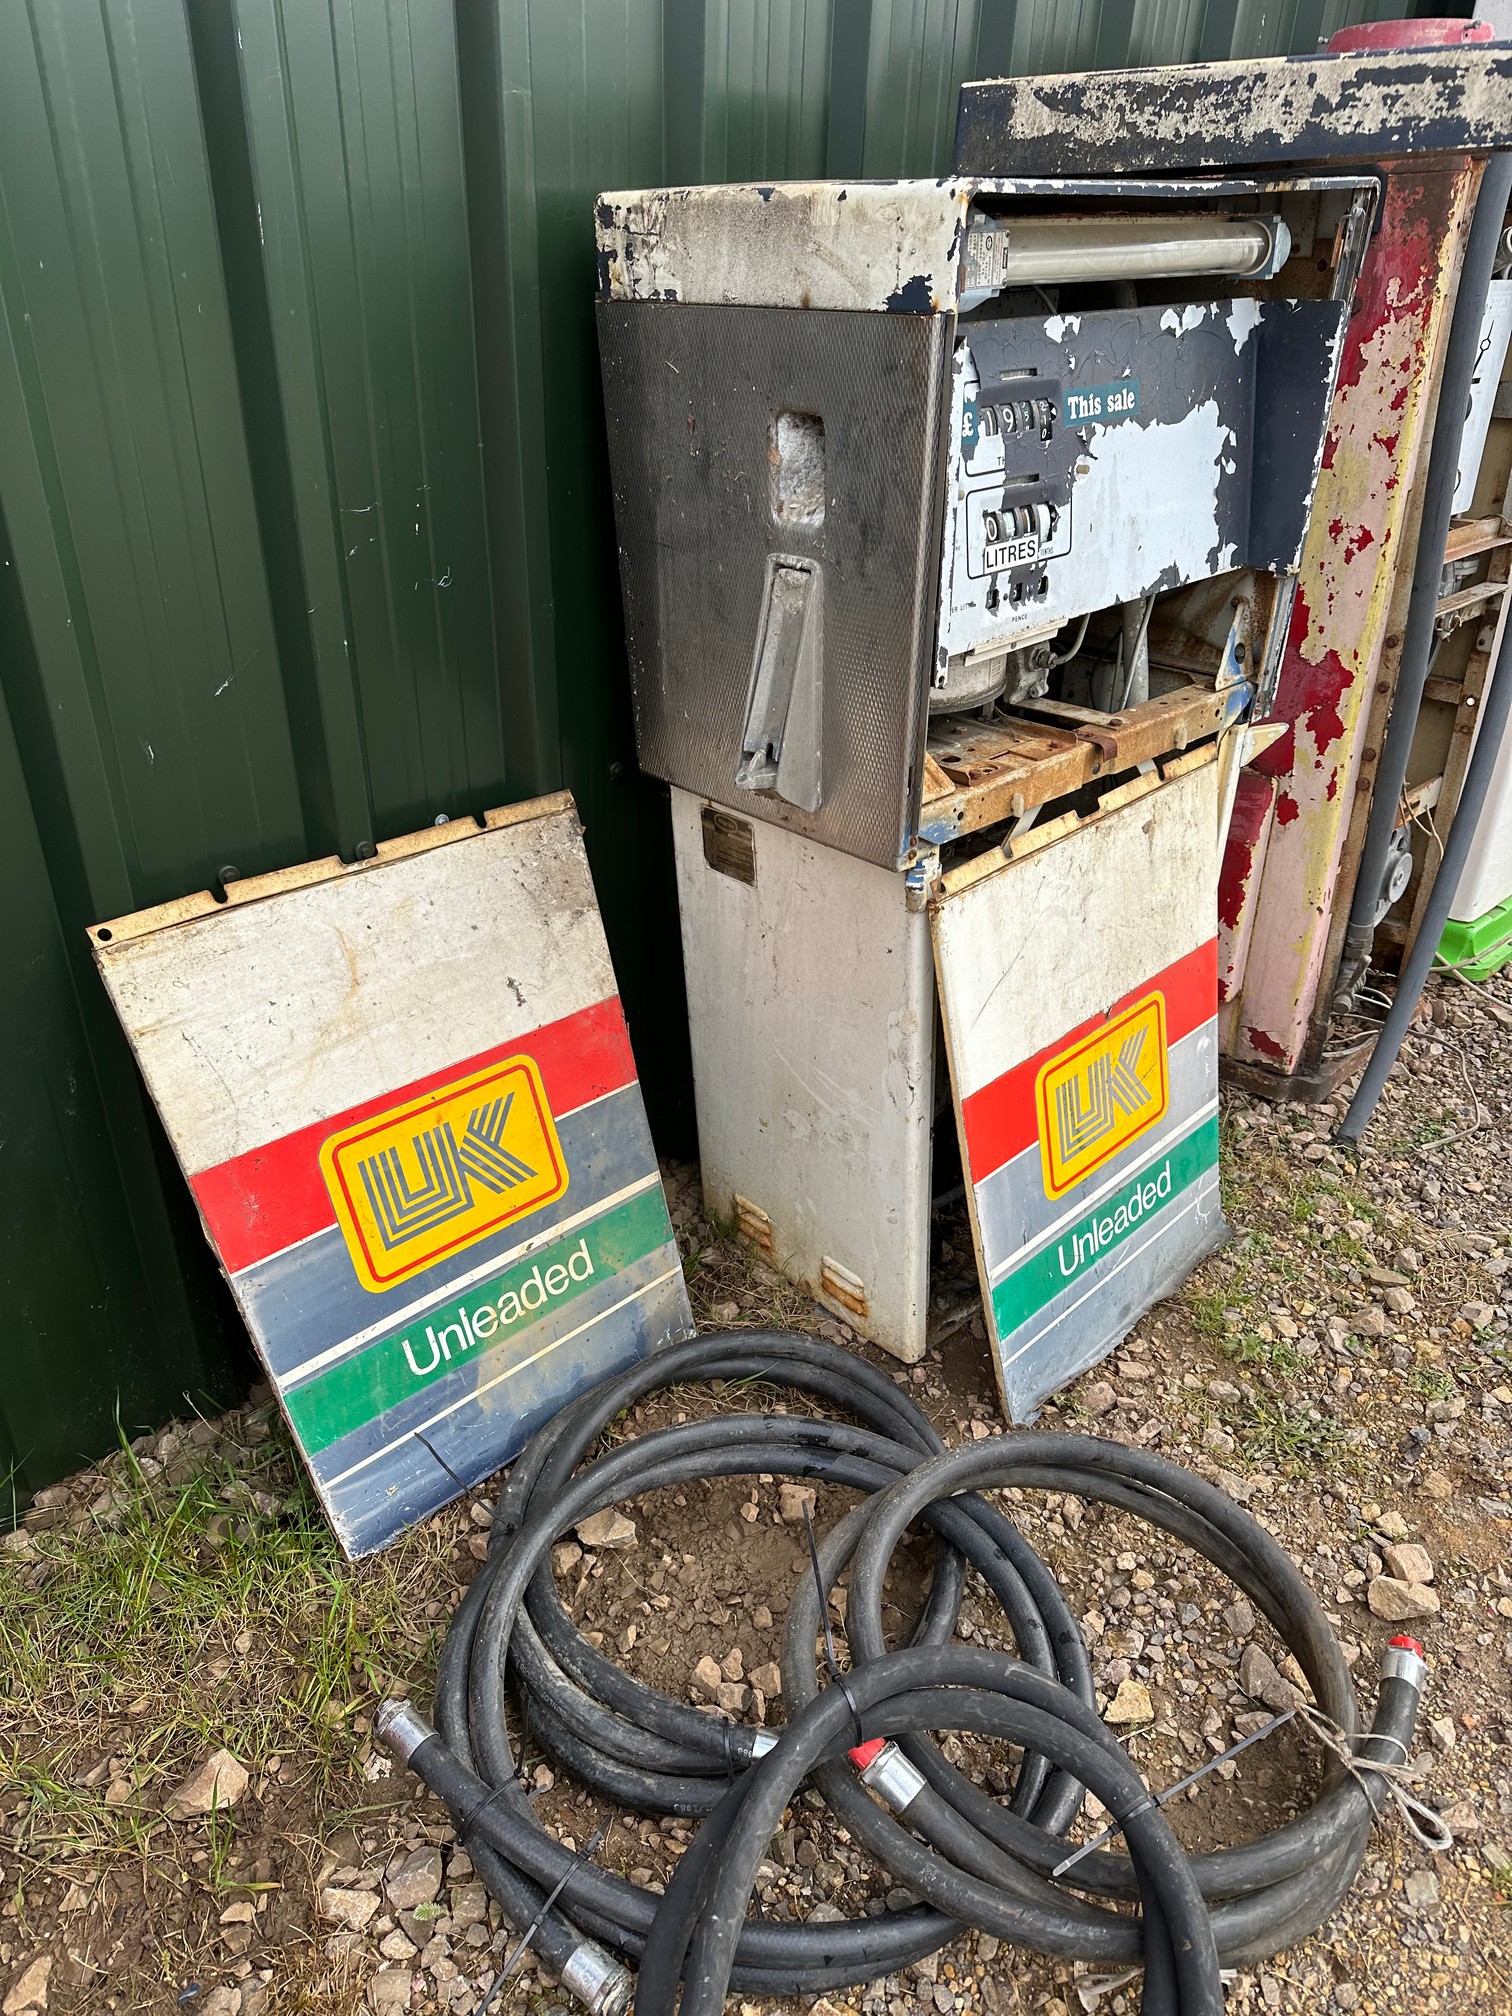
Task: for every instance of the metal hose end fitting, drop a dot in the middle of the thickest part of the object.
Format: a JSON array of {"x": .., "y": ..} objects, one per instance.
[
  {"x": 401, "y": 1726},
  {"x": 886, "y": 1771},
  {"x": 1404, "y": 1661},
  {"x": 603, "y": 1985}
]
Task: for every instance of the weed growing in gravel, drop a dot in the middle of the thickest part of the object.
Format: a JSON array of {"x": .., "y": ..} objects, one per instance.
[
  {"x": 1296, "y": 1437},
  {"x": 1433, "y": 1382},
  {"x": 1272, "y": 1354},
  {"x": 1207, "y": 1313}
]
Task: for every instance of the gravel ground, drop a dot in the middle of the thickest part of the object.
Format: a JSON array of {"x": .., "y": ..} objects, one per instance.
[{"x": 1343, "y": 1368}]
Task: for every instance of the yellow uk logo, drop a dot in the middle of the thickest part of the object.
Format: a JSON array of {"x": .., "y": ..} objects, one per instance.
[
  {"x": 420, "y": 1182},
  {"x": 1104, "y": 1093}
]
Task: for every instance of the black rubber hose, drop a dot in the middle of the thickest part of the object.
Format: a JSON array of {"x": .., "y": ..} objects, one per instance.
[
  {"x": 970, "y": 1857},
  {"x": 700, "y": 1925},
  {"x": 651, "y": 1753},
  {"x": 1439, "y": 485},
  {"x": 1414, "y": 974},
  {"x": 1266, "y": 1892}
]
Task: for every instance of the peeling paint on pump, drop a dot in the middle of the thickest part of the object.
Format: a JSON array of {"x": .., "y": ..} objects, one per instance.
[{"x": 1342, "y": 607}]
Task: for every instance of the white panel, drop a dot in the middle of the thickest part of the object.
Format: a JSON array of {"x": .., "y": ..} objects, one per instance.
[
  {"x": 366, "y": 981},
  {"x": 1144, "y": 502},
  {"x": 811, "y": 1009},
  {"x": 1486, "y": 879},
  {"x": 404, "y": 1094},
  {"x": 1088, "y": 930},
  {"x": 1092, "y": 1162},
  {"x": 1496, "y": 328}
]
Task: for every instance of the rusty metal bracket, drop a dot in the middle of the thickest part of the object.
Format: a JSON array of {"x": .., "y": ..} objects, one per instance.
[{"x": 1102, "y": 740}]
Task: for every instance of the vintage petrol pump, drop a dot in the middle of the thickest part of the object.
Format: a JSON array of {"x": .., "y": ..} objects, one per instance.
[
  {"x": 959, "y": 524},
  {"x": 1419, "y": 120}
]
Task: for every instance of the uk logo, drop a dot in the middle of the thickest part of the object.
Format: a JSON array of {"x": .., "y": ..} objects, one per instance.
[
  {"x": 438, "y": 1173},
  {"x": 1106, "y": 1091}
]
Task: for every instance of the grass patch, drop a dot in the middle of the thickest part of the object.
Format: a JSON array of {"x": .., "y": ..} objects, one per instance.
[
  {"x": 1207, "y": 1313},
  {"x": 213, "y": 1610}
]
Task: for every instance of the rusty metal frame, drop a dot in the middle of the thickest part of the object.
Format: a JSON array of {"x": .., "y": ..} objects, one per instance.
[
  {"x": 985, "y": 772},
  {"x": 1365, "y": 105}
]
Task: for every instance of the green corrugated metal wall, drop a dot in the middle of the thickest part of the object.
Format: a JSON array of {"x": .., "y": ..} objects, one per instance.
[{"x": 304, "y": 532}]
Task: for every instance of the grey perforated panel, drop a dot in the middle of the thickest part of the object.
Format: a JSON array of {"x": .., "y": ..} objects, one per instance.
[{"x": 690, "y": 394}]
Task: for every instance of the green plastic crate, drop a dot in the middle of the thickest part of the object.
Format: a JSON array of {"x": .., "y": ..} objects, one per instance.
[{"x": 1480, "y": 948}]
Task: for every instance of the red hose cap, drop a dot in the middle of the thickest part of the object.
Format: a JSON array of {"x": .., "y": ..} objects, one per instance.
[
  {"x": 1406, "y": 1644},
  {"x": 868, "y": 1753}
]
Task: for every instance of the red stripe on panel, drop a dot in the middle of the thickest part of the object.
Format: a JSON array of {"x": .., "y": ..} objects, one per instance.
[
  {"x": 273, "y": 1196},
  {"x": 1001, "y": 1120}
]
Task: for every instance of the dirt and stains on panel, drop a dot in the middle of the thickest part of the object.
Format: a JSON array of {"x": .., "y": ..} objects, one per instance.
[
  {"x": 405, "y": 1103},
  {"x": 1367, "y": 106},
  {"x": 1161, "y": 445},
  {"x": 1342, "y": 607},
  {"x": 899, "y": 248}
]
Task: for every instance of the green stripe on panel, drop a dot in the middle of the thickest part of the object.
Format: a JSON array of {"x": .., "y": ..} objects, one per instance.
[
  {"x": 484, "y": 1318},
  {"x": 1052, "y": 1269}
]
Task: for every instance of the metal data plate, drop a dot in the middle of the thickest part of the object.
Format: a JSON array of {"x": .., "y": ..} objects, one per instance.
[
  {"x": 691, "y": 394},
  {"x": 1079, "y": 994},
  {"x": 403, "y": 1095}
]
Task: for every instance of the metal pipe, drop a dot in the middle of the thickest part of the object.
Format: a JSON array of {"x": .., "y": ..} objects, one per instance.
[
  {"x": 1041, "y": 250},
  {"x": 1498, "y": 707},
  {"x": 1134, "y": 651},
  {"x": 1428, "y": 565}
]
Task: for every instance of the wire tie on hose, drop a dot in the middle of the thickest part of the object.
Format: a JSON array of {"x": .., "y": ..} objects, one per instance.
[
  {"x": 831, "y": 1657},
  {"x": 850, "y": 1701},
  {"x": 465, "y": 1826},
  {"x": 589, "y": 1848},
  {"x": 1426, "y": 1827},
  {"x": 1170, "y": 1792}
]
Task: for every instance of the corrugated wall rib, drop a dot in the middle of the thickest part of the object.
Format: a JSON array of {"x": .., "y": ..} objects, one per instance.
[{"x": 303, "y": 511}]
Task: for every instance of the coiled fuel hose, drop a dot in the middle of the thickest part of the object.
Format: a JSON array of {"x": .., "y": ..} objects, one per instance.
[{"x": 969, "y": 1857}]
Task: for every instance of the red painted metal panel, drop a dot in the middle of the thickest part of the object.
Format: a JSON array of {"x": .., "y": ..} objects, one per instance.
[
  {"x": 1239, "y": 879},
  {"x": 1355, "y": 547}
]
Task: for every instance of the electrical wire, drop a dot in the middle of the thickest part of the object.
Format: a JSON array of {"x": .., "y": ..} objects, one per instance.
[{"x": 1064, "y": 657}]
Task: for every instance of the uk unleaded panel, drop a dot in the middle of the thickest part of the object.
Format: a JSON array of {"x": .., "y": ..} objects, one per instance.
[
  {"x": 1078, "y": 989},
  {"x": 404, "y": 1098}
]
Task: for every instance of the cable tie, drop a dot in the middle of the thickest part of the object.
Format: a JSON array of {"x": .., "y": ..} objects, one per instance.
[
  {"x": 588, "y": 1849},
  {"x": 850, "y": 1701},
  {"x": 1170, "y": 1792},
  {"x": 465, "y": 1826},
  {"x": 831, "y": 1657}
]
